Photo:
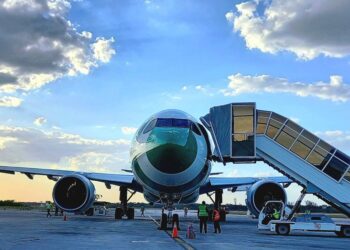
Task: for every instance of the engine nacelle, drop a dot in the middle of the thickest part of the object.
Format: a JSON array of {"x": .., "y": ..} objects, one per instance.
[
  {"x": 191, "y": 198},
  {"x": 151, "y": 198},
  {"x": 74, "y": 193},
  {"x": 261, "y": 192}
]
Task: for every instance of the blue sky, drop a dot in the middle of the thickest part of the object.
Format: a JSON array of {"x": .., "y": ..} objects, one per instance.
[{"x": 140, "y": 57}]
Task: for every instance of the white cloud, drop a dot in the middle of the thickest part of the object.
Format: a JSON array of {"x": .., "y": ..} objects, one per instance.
[
  {"x": 97, "y": 162},
  {"x": 21, "y": 146},
  {"x": 39, "y": 45},
  {"x": 10, "y": 101},
  {"x": 102, "y": 49},
  {"x": 171, "y": 96},
  {"x": 335, "y": 90},
  {"x": 204, "y": 89},
  {"x": 306, "y": 28},
  {"x": 200, "y": 88},
  {"x": 39, "y": 121},
  {"x": 4, "y": 140},
  {"x": 128, "y": 130}
]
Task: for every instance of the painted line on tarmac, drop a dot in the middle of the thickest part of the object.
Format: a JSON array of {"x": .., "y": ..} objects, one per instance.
[{"x": 178, "y": 240}]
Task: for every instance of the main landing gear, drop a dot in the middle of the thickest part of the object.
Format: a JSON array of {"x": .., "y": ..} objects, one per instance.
[{"x": 124, "y": 209}]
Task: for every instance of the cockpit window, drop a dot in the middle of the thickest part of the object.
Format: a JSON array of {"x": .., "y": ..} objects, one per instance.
[
  {"x": 171, "y": 122},
  {"x": 177, "y": 123},
  {"x": 161, "y": 122},
  {"x": 181, "y": 123},
  {"x": 150, "y": 126}
]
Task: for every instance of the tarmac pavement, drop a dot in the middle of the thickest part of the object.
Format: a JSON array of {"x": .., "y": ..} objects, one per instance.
[{"x": 32, "y": 230}]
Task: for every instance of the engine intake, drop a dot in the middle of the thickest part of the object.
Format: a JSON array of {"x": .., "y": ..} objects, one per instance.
[
  {"x": 261, "y": 192},
  {"x": 74, "y": 193}
]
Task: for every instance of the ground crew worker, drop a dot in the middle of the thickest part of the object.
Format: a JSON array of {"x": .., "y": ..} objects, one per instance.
[
  {"x": 216, "y": 220},
  {"x": 203, "y": 217},
  {"x": 142, "y": 211},
  {"x": 185, "y": 211},
  {"x": 276, "y": 214},
  {"x": 48, "y": 208}
]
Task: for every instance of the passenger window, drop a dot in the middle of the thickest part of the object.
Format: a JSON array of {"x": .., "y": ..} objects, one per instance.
[
  {"x": 336, "y": 168},
  {"x": 294, "y": 126},
  {"x": 243, "y": 124},
  {"x": 319, "y": 157},
  {"x": 150, "y": 126},
  {"x": 278, "y": 117},
  {"x": 273, "y": 128},
  {"x": 300, "y": 148},
  {"x": 263, "y": 117},
  {"x": 342, "y": 157},
  {"x": 260, "y": 129},
  {"x": 306, "y": 141},
  {"x": 286, "y": 137},
  {"x": 347, "y": 176},
  {"x": 326, "y": 146}
]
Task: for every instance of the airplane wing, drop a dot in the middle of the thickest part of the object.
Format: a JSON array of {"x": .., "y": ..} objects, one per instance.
[
  {"x": 54, "y": 174},
  {"x": 237, "y": 183}
]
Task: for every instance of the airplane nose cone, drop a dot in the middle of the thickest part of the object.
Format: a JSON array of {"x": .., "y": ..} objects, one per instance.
[{"x": 175, "y": 149}]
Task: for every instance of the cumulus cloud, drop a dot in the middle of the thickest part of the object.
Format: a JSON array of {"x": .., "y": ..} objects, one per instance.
[
  {"x": 335, "y": 90},
  {"x": 21, "y": 146},
  {"x": 306, "y": 28},
  {"x": 39, "y": 45},
  {"x": 4, "y": 140},
  {"x": 128, "y": 130},
  {"x": 10, "y": 101},
  {"x": 39, "y": 121}
]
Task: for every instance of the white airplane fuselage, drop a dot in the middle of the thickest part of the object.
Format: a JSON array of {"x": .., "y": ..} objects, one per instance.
[{"x": 169, "y": 156}]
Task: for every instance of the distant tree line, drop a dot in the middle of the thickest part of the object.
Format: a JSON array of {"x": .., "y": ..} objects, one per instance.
[{"x": 11, "y": 203}]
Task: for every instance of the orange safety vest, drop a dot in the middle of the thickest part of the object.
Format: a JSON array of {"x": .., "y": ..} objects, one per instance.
[{"x": 216, "y": 215}]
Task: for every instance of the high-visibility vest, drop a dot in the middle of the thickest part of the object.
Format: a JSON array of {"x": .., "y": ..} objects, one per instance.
[
  {"x": 203, "y": 210},
  {"x": 216, "y": 215},
  {"x": 276, "y": 214}
]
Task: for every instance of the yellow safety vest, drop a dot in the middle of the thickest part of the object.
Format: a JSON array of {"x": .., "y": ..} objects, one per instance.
[
  {"x": 276, "y": 214},
  {"x": 203, "y": 210}
]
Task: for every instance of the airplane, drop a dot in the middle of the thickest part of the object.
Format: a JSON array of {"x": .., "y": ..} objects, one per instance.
[{"x": 171, "y": 159}]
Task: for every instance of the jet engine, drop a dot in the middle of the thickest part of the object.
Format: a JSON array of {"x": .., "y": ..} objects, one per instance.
[
  {"x": 192, "y": 198},
  {"x": 74, "y": 193},
  {"x": 261, "y": 192}
]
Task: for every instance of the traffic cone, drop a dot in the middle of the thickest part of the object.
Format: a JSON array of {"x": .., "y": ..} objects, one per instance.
[
  {"x": 175, "y": 232},
  {"x": 65, "y": 217}
]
